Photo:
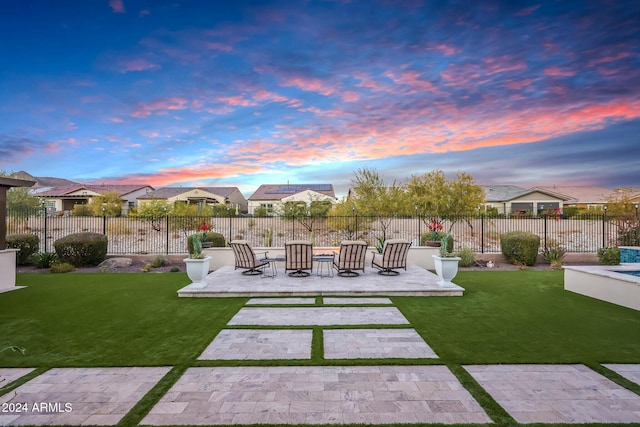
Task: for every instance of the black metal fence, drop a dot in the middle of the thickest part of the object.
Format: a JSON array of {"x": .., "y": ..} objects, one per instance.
[{"x": 168, "y": 234}]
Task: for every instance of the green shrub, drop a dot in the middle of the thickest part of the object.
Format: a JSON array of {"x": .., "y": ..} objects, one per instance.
[
  {"x": 216, "y": 239},
  {"x": 609, "y": 256},
  {"x": 27, "y": 244},
  {"x": 82, "y": 249},
  {"x": 175, "y": 270},
  {"x": 43, "y": 259},
  {"x": 520, "y": 247},
  {"x": 61, "y": 267},
  {"x": 159, "y": 261},
  {"x": 554, "y": 254},
  {"x": 467, "y": 257}
]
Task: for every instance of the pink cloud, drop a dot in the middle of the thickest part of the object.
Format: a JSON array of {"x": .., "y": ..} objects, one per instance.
[
  {"x": 236, "y": 101},
  {"x": 350, "y": 96},
  {"x": 139, "y": 64},
  {"x": 446, "y": 49},
  {"x": 558, "y": 72},
  {"x": 219, "y": 46},
  {"x": 117, "y": 6},
  {"x": 310, "y": 85},
  {"x": 160, "y": 106},
  {"x": 527, "y": 10}
]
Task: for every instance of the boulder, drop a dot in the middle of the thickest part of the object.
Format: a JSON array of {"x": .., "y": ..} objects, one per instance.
[{"x": 119, "y": 262}]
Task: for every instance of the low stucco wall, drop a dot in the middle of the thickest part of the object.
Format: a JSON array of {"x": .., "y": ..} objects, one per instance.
[
  {"x": 8, "y": 269},
  {"x": 604, "y": 283},
  {"x": 420, "y": 256}
]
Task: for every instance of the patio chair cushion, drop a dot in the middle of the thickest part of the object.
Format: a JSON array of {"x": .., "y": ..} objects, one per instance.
[
  {"x": 298, "y": 256},
  {"x": 351, "y": 257},
  {"x": 246, "y": 257},
  {"x": 394, "y": 255}
]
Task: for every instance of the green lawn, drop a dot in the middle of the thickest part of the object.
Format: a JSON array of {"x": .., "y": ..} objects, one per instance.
[{"x": 138, "y": 320}]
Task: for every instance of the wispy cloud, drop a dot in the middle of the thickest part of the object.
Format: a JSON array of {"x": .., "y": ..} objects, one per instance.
[{"x": 117, "y": 6}]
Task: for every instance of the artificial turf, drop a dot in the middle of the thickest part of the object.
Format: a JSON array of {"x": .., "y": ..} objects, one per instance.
[{"x": 137, "y": 319}]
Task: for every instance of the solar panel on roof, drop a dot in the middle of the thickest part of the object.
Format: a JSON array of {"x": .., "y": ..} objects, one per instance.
[{"x": 295, "y": 188}]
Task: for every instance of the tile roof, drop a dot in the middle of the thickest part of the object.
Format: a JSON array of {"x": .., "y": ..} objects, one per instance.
[
  {"x": 500, "y": 193},
  {"x": 168, "y": 192},
  {"x": 280, "y": 191},
  {"x": 580, "y": 193},
  {"x": 64, "y": 190}
]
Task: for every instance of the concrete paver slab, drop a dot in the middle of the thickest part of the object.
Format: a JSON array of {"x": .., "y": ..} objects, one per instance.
[
  {"x": 317, "y": 394},
  {"x": 557, "y": 394},
  {"x": 259, "y": 344},
  {"x": 228, "y": 282},
  {"x": 375, "y": 343},
  {"x": 347, "y": 301},
  {"x": 325, "y": 316},
  {"x": 283, "y": 301},
  {"x": 628, "y": 370},
  {"x": 79, "y": 396}
]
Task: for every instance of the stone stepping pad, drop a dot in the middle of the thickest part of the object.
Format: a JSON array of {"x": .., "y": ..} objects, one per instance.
[
  {"x": 629, "y": 371},
  {"x": 557, "y": 394},
  {"x": 375, "y": 343},
  {"x": 283, "y": 301},
  {"x": 321, "y": 316},
  {"x": 80, "y": 396},
  {"x": 317, "y": 395},
  {"x": 259, "y": 344},
  {"x": 347, "y": 301}
]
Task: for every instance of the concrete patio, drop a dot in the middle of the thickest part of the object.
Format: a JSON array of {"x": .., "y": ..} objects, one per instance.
[{"x": 228, "y": 282}]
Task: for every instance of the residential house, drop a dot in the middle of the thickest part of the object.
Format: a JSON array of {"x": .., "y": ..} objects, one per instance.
[
  {"x": 581, "y": 196},
  {"x": 273, "y": 197},
  {"x": 63, "y": 198},
  {"x": 230, "y": 196},
  {"x": 511, "y": 199}
]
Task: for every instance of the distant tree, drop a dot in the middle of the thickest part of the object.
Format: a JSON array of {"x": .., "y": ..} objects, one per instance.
[
  {"x": 342, "y": 218},
  {"x": 306, "y": 214},
  {"x": 260, "y": 211},
  {"x": 619, "y": 203},
  {"x": 436, "y": 198},
  {"x": 111, "y": 202},
  {"x": 373, "y": 197}
]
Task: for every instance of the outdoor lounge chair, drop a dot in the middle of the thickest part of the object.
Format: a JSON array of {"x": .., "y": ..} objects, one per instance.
[
  {"x": 246, "y": 258},
  {"x": 299, "y": 258},
  {"x": 350, "y": 258},
  {"x": 394, "y": 255}
]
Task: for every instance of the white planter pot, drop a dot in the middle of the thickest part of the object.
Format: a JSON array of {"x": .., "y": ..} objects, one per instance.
[
  {"x": 197, "y": 269},
  {"x": 446, "y": 268}
]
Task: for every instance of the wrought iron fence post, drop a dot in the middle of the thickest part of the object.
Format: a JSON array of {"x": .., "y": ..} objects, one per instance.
[
  {"x": 44, "y": 213},
  {"x": 544, "y": 217},
  {"x": 166, "y": 218},
  {"x": 482, "y": 234},
  {"x": 604, "y": 222}
]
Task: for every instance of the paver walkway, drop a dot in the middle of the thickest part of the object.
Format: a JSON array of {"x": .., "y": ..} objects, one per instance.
[
  {"x": 260, "y": 344},
  {"x": 317, "y": 395},
  {"x": 79, "y": 396},
  {"x": 375, "y": 343},
  {"x": 323, "y": 316},
  {"x": 557, "y": 394},
  {"x": 321, "y": 394}
]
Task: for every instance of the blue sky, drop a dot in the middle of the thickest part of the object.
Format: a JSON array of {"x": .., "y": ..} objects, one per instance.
[{"x": 245, "y": 93}]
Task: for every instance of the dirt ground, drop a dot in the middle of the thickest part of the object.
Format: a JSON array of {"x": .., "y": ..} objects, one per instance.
[{"x": 140, "y": 261}]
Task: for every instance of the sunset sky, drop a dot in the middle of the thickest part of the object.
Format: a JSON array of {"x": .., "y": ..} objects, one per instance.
[{"x": 243, "y": 93}]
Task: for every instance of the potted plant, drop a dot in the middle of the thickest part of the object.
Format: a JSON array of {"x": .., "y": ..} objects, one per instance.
[
  {"x": 446, "y": 263},
  {"x": 197, "y": 263},
  {"x": 203, "y": 228},
  {"x": 433, "y": 236}
]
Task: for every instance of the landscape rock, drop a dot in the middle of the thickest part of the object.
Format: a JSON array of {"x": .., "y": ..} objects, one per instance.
[{"x": 119, "y": 262}]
